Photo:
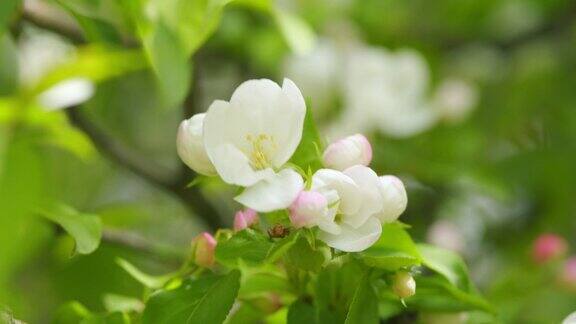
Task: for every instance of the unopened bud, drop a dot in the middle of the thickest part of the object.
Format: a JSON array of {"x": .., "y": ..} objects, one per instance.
[
  {"x": 190, "y": 145},
  {"x": 403, "y": 284},
  {"x": 204, "y": 247},
  {"x": 347, "y": 152},
  {"x": 245, "y": 218},
  {"x": 548, "y": 247},
  {"x": 394, "y": 198},
  {"x": 308, "y": 207}
]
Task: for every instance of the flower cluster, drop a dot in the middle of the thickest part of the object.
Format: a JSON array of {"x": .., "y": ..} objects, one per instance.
[
  {"x": 381, "y": 90},
  {"x": 248, "y": 142}
]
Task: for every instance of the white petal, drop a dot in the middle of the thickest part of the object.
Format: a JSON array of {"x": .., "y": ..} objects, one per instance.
[
  {"x": 190, "y": 145},
  {"x": 326, "y": 180},
  {"x": 275, "y": 193},
  {"x": 394, "y": 198},
  {"x": 222, "y": 131},
  {"x": 67, "y": 93},
  {"x": 287, "y": 130},
  {"x": 354, "y": 239},
  {"x": 369, "y": 183},
  {"x": 234, "y": 167}
]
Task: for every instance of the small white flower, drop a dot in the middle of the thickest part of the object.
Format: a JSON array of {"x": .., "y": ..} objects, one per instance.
[
  {"x": 344, "y": 206},
  {"x": 190, "y": 145},
  {"x": 251, "y": 137},
  {"x": 347, "y": 152}
]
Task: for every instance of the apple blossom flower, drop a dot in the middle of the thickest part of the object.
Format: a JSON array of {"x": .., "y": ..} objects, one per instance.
[
  {"x": 204, "y": 248},
  {"x": 548, "y": 247},
  {"x": 251, "y": 137},
  {"x": 347, "y": 152},
  {"x": 403, "y": 284},
  {"x": 386, "y": 91},
  {"x": 190, "y": 145},
  {"x": 245, "y": 218},
  {"x": 350, "y": 223}
]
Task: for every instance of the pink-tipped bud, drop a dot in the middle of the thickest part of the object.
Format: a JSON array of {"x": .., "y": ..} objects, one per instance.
[
  {"x": 403, "y": 284},
  {"x": 244, "y": 219},
  {"x": 204, "y": 247},
  {"x": 308, "y": 208},
  {"x": 347, "y": 152},
  {"x": 548, "y": 247},
  {"x": 568, "y": 275}
]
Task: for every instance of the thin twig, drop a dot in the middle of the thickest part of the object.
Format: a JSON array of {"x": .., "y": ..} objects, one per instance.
[{"x": 138, "y": 243}]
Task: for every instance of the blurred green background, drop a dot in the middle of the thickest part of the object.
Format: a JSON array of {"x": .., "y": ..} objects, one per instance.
[{"x": 484, "y": 179}]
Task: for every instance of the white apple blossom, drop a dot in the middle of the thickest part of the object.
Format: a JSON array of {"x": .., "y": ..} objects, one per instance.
[
  {"x": 190, "y": 145},
  {"x": 349, "y": 151},
  {"x": 250, "y": 138},
  {"x": 349, "y": 207},
  {"x": 386, "y": 91}
]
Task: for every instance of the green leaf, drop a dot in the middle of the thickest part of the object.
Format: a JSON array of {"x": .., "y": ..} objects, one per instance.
[
  {"x": 119, "y": 303},
  {"x": 394, "y": 250},
  {"x": 364, "y": 306},
  {"x": 297, "y": 33},
  {"x": 335, "y": 289},
  {"x": 96, "y": 63},
  {"x": 282, "y": 246},
  {"x": 301, "y": 311},
  {"x": 308, "y": 153},
  {"x": 170, "y": 63},
  {"x": 448, "y": 264},
  {"x": 143, "y": 278},
  {"x": 435, "y": 294},
  {"x": 303, "y": 256},
  {"x": 206, "y": 300},
  {"x": 261, "y": 283},
  {"x": 86, "y": 229},
  {"x": 248, "y": 245},
  {"x": 71, "y": 313},
  {"x": 8, "y": 10},
  {"x": 112, "y": 318}
]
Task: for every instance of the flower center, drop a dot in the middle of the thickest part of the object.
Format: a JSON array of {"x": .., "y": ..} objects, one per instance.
[{"x": 262, "y": 147}]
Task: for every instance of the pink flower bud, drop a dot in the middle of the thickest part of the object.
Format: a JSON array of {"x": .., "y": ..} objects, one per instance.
[
  {"x": 204, "y": 246},
  {"x": 308, "y": 207},
  {"x": 568, "y": 276},
  {"x": 347, "y": 152},
  {"x": 548, "y": 247},
  {"x": 245, "y": 218},
  {"x": 403, "y": 284}
]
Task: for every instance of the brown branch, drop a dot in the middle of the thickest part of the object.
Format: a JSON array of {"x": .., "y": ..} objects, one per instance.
[
  {"x": 192, "y": 198},
  {"x": 138, "y": 243},
  {"x": 50, "y": 18}
]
